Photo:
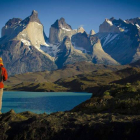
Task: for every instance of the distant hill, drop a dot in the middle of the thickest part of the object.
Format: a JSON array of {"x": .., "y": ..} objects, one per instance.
[
  {"x": 96, "y": 81},
  {"x": 52, "y": 76}
]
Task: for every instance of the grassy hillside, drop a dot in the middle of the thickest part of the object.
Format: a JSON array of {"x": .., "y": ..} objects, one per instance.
[
  {"x": 119, "y": 96},
  {"x": 114, "y": 98},
  {"x": 52, "y": 76},
  {"x": 37, "y": 87}
]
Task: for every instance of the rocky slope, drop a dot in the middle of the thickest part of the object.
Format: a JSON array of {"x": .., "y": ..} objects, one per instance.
[
  {"x": 81, "y": 41},
  {"x": 120, "y": 39},
  {"x": 21, "y": 46},
  {"x": 99, "y": 56},
  {"x": 68, "y": 55},
  {"x": 68, "y": 125},
  {"x": 136, "y": 64},
  {"x": 59, "y": 30},
  {"x": 91, "y": 45},
  {"x": 92, "y": 32}
]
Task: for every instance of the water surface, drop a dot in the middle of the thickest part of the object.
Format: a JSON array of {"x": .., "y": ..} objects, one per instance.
[{"x": 40, "y": 102}]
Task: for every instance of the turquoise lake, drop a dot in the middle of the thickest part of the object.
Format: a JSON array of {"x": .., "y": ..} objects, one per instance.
[{"x": 40, "y": 102}]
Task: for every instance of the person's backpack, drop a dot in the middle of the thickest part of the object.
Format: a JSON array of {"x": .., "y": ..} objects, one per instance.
[{"x": 1, "y": 76}]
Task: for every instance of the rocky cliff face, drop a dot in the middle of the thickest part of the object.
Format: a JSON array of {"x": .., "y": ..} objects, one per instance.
[
  {"x": 8, "y": 29},
  {"x": 91, "y": 45},
  {"x": 120, "y": 39},
  {"x": 81, "y": 41},
  {"x": 21, "y": 46},
  {"x": 68, "y": 55},
  {"x": 80, "y": 30},
  {"x": 134, "y": 21},
  {"x": 108, "y": 26},
  {"x": 59, "y": 30},
  {"x": 99, "y": 56}
]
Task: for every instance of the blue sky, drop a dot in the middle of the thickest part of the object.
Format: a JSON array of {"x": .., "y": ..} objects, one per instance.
[{"x": 87, "y": 13}]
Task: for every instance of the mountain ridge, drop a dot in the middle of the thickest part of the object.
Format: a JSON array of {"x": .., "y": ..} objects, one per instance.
[{"x": 25, "y": 39}]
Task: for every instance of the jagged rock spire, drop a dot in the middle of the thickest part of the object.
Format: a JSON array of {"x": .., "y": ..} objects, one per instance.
[
  {"x": 80, "y": 30},
  {"x": 61, "y": 24},
  {"x": 92, "y": 32},
  {"x": 34, "y": 17}
]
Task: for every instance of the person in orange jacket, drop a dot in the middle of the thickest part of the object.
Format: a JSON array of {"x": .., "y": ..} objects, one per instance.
[{"x": 3, "y": 77}]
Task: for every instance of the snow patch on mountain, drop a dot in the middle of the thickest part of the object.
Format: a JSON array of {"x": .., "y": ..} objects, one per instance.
[
  {"x": 109, "y": 38},
  {"x": 26, "y": 42},
  {"x": 123, "y": 29},
  {"x": 125, "y": 21},
  {"x": 50, "y": 57},
  {"x": 66, "y": 29},
  {"x": 106, "y": 39},
  {"x": 109, "y": 22},
  {"x": 38, "y": 24},
  {"x": 80, "y": 49},
  {"x": 138, "y": 27},
  {"x": 24, "y": 35},
  {"x": 50, "y": 49}
]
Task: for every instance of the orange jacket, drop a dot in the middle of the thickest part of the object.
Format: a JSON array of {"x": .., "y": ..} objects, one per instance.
[{"x": 5, "y": 76}]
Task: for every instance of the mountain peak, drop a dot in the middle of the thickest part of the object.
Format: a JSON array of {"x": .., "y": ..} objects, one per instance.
[
  {"x": 112, "y": 18},
  {"x": 108, "y": 22},
  {"x": 81, "y": 30},
  {"x": 59, "y": 30},
  {"x": 34, "y": 12},
  {"x": 92, "y": 32},
  {"x": 9, "y": 26},
  {"x": 62, "y": 20},
  {"x": 34, "y": 17},
  {"x": 134, "y": 21},
  {"x": 61, "y": 24},
  {"x": 13, "y": 22},
  {"x": 113, "y": 26}
]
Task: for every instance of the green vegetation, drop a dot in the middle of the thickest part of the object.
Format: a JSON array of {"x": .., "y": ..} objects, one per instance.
[
  {"x": 114, "y": 98},
  {"x": 113, "y": 111},
  {"x": 68, "y": 125},
  {"x": 44, "y": 87},
  {"x": 106, "y": 93},
  {"x": 52, "y": 76}
]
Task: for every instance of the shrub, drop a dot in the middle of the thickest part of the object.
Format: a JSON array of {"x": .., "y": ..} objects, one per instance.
[
  {"x": 106, "y": 93},
  {"x": 128, "y": 84}
]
